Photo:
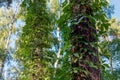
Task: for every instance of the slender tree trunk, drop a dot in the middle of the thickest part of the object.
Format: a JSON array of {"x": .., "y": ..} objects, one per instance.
[
  {"x": 10, "y": 27},
  {"x": 56, "y": 9},
  {"x": 110, "y": 58},
  {"x": 7, "y": 44},
  {"x": 84, "y": 54},
  {"x": 59, "y": 45},
  {"x": 59, "y": 50}
]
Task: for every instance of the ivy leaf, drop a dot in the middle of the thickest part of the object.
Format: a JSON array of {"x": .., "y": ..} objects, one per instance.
[
  {"x": 92, "y": 65},
  {"x": 76, "y": 55}
]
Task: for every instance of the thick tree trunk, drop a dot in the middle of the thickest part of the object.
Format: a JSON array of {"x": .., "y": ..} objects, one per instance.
[{"x": 84, "y": 54}]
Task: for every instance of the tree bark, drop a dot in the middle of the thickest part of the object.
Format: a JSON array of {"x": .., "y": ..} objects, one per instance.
[{"x": 84, "y": 54}]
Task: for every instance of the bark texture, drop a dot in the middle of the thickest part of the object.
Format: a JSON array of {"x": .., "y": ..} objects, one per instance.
[{"x": 83, "y": 39}]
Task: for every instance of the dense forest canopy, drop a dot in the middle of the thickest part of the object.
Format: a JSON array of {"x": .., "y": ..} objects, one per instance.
[{"x": 58, "y": 40}]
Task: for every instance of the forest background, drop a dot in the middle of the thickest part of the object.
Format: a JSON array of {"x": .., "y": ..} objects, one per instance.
[{"x": 43, "y": 40}]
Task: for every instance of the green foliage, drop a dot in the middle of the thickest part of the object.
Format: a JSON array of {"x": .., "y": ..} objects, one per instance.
[
  {"x": 114, "y": 29},
  {"x": 35, "y": 41},
  {"x": 34, "y": 49},
  {"x": 114, "y": 48},
  {"x": 98, "y": 18}
]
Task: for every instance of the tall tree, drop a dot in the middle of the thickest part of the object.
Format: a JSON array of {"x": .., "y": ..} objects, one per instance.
[
  {"x": 83, "y": 37},
  {"x": 114, "y": 42},
  {"x": 7, "y": 27},
  {"x": 55, "y": 10},
  {"x": 35, "y": 40},
  {"x": 9, "y": 16},
  {"x": 86, "y": 20}
]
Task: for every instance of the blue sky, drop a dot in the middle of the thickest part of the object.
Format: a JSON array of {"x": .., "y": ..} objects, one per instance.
[{"x": 116, "y": 4}]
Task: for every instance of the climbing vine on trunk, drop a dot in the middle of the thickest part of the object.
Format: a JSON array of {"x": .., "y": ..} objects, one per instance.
[
  {"x": 86, "y": 22},
  {"x": 35, "y": 40}
]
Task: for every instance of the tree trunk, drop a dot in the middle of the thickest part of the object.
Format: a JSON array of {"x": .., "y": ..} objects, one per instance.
[
  {"x": 6, "y": 51},
  {"x": 110, "y": 58},
  {"x": 84, "y": 54}
]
